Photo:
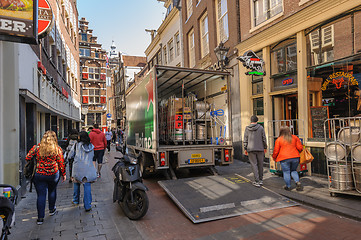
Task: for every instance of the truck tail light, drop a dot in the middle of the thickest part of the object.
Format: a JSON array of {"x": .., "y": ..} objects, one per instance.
[
  {"x": 226, "y": 155},
  {"x": 162, "y": 159}
]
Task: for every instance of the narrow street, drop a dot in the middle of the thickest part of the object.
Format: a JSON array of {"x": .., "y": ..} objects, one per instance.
[{"x": 165, "y": 220}]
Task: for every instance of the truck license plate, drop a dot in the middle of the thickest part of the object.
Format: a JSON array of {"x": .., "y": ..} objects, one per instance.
[{"x": 197, "y": 160}]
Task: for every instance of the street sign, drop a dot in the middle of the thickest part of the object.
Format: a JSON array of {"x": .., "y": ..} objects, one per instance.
[{"x": 109, "y": 115}]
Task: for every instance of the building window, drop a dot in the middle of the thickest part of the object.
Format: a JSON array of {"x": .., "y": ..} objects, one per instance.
[
  {"x": 189, "y": 8},
  {"x": 84, "y": 37},
  {"x": 99, "y": 118},
  {"x": 171, "y": 50},
  {"x": 160, "y": 57},
  {"x": 204, "y": 36},
  {"x": 284, "y": 58},
  {"x": 177, "y": 44},
  {"x": 266, "y": 9},
  {"x": 257, "y": 81},
  {"x": 94, "y": 73},
  {"x": 258, "y": 108},
  {"x": 191, "y": 52},
  {"x": 90, "y": 119},
  {"x": 222, "y": 20},
  {"x": 84, "y": 52},
  {"x": 323, "y": 52},
  {"x": 165, "y": 55}
]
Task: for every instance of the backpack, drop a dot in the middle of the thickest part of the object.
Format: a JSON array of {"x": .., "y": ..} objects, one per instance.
[
  {"x": 30, "y": 167},
  {"x": 68, "y": 149}
]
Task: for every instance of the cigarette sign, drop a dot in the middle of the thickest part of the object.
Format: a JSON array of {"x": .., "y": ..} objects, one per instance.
[{"x": 45, "y": 18}]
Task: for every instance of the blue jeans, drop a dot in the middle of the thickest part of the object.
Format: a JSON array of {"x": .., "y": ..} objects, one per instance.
[
  {"x": 289, "y": 168},
  {"x": 87, "y": 194},
  {"x": 44, "y": 184}
]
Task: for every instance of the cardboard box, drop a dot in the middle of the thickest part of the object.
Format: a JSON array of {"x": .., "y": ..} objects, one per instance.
[
  {"x": 176, "y": 103},
  {"x": 187, "y": 116},
  {"x": 179, "y": 124}
]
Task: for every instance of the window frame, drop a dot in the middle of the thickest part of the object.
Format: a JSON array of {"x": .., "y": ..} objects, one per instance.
[
  {"x": 191, "y": 48},
  {"x": 204, "y": 34},
  {"x": 219, "y": 18}
]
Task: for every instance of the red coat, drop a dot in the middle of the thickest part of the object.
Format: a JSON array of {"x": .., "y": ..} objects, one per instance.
[
  {"x": 97, "y": 138},
  {"x": 284, "y": 150}
]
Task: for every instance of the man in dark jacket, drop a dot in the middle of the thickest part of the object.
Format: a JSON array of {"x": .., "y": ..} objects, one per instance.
[
  {"x": 97, "y": 138},
  {"x": 255, "y": 146}
]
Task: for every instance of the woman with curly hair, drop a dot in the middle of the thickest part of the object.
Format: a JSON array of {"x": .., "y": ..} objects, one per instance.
[{"x": 49, "y": 167}]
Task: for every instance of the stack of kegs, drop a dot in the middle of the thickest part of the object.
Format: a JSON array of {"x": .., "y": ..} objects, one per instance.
[{"x": 343, "y": 172}]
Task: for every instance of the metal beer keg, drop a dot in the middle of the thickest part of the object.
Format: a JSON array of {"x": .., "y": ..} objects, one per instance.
[
  {"x": 341, "y": 177},
  {"x": 335, "y": 151},
  {"x": 356, "y": 153},
  {"x": 349, "y": 135}
]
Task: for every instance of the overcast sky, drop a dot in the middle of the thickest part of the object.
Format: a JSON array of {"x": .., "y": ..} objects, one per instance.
[{"x": 123, "y": 21}]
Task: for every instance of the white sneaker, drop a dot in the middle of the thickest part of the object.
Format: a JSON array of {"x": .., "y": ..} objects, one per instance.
[
  {"x": 260, "y": 182},
  {"x": 256, "y": 184}
]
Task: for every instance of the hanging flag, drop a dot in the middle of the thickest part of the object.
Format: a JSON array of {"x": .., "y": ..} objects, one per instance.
[{"x": 107, "y": 64}]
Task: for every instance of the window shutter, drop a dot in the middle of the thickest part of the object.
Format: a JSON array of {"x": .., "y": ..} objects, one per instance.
[
  {"x": 102, "y": 100},
  {"x": 85, "y": 99},
  {"x": 102, "y": 77},
  {"x": 327, "y": 36},
  {"x": 314, "y": 39},
  {"x": 85, "y": 75}
]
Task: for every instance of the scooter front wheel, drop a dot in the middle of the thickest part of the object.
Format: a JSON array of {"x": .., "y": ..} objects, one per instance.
[{"x": 139, "y": 207}]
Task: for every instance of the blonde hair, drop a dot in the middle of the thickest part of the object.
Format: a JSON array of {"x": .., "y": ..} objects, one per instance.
[
  {"x": 285, "y": 132},
  {"x": 49, "y": 144}
]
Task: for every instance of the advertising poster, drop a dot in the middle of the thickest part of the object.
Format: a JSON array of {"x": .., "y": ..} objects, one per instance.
[
  {"x": 18, "y": 20},
  {"x": 140, "y": 111}
]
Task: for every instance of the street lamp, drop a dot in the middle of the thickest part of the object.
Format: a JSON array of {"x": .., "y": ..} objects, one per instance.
[{"x": 221, "y": 53}]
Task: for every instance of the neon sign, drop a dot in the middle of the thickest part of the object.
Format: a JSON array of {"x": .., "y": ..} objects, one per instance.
[
  {"x": 339, "y": 78},
  {"x": 252, "y": 62},
  {"x": 287, "y": 81}
]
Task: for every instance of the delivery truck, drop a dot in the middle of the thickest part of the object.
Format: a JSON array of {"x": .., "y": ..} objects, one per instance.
[{"x": 180, "y": 118}]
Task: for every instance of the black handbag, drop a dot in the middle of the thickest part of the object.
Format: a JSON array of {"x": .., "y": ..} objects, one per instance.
[{"x": 30, "y": 168}]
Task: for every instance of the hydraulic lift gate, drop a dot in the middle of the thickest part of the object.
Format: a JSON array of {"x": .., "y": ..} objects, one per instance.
[{"x": 210, "y": 198}]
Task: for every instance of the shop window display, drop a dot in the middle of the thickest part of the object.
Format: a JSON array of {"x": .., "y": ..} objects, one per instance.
[{"x": 334, "y": 72}]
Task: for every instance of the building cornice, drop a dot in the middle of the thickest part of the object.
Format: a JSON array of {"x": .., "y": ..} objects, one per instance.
[
  {"x": 309, "y": 16},
  {"x": 161, "y": 29}
]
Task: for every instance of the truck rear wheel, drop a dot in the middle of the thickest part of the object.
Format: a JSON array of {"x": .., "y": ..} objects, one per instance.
[{"x": 146, "y": 163}]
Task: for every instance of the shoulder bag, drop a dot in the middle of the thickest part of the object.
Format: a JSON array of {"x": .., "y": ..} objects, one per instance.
[{"x": 305, "y": 156}]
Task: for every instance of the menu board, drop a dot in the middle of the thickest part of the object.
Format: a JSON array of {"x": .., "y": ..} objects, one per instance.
[{"x": 318, "y": 117}]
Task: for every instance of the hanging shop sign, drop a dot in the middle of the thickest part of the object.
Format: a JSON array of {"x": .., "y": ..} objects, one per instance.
[
  {"x": 19, "y": 21},
  {"x": 252, "y": 62},
  {"x": 45, "y": 18},
  {"x": 339, "y": 79},
  {"x": 287, "y": 81}
]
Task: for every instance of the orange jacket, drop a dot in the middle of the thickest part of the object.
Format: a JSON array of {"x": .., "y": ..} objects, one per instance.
[{"x": 284, "y": 150}]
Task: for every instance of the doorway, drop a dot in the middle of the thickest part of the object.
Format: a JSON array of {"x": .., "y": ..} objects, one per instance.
[{"x": 285, "y": 107}]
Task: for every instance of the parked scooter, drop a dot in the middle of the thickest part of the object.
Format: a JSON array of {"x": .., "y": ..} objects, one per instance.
[
  {"x": 7, "y": 209},
  {"x": 129, "y": 190}
]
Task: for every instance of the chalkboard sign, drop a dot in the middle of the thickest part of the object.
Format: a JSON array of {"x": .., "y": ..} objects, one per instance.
[{"x": 318, "y": 117}]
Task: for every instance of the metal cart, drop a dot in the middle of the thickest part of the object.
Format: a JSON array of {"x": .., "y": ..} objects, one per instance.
[
  {"x": 296, "y": 126},
  {"x": 343, "y": 155}
]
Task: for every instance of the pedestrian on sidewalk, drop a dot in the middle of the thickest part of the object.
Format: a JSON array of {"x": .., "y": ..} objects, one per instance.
[
  {"x": 71, "y": 141},
  {"x": 97, "y": 138},
  {"x": 114, "y": 139},
  {"x": 287, "y": 151},
  {"x": 108, "y": 137},
  {"x": 255, "y": 146},
  {"x": 49, "y": 162},
  {"x": 84, "y": 172}
]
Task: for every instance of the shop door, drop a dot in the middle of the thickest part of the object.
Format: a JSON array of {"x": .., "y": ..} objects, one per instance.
[{"x": 291, "y": 104}]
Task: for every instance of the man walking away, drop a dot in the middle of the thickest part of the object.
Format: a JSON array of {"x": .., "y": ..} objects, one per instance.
[
  {"x": 108, "y": 137},
  {"x": 255, "y": 146},
  {"x": 97, "y": 138}
]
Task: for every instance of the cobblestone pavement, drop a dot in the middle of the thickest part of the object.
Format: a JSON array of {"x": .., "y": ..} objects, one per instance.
[
  {"x": 165, "y": 221},
  {"x": 105, "y": 221}
]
